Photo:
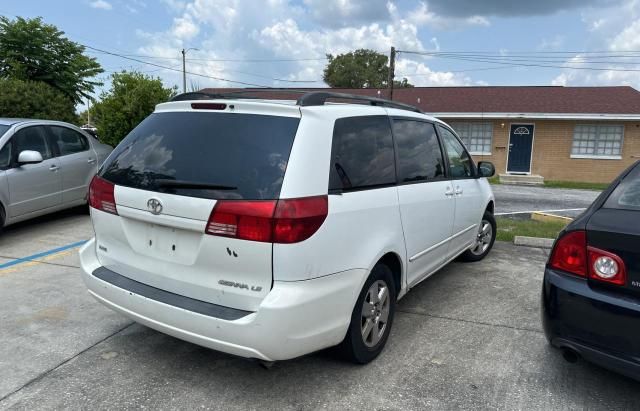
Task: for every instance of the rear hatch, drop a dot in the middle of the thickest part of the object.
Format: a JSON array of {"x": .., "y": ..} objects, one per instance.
[
  {"x": 169, "y": 173},
  {"x": 616, "y": 228}
]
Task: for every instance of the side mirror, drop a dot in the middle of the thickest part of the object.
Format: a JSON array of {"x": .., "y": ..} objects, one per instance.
[
  {"x": 29, "y": 157},
  {"x": 486, "y": 169}
]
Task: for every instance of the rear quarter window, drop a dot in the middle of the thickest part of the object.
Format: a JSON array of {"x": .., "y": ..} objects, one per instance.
[
  {"x": 247, "y": 154},
  {"x": 627, "y": 195},
  {"x": 362, "y": 154}
]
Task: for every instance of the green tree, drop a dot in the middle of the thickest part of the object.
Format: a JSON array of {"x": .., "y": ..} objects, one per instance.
[
  {"x": 33, "y": 50},
  {"x": 34, "y": 99},
  {"x": 131, "y": 98},
  {"x": 359, "y": 69},
  {"x": 402, "y": 83}
]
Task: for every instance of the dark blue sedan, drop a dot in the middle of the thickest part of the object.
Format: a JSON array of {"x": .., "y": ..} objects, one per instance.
[{"x": 591, "y": 291}]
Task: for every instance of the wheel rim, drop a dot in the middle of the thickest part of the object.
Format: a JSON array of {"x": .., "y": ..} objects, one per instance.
[
  {"x": 483, "y": 240},
  {"x": 375, "y": 313}
]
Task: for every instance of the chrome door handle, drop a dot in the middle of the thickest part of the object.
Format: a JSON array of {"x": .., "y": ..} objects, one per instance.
[
  {"x": 53, "y": 168},
  {"x": 448, "y": 192},
  {"x": 91, "y": 160},
  {"x": 458, "y": 191}
]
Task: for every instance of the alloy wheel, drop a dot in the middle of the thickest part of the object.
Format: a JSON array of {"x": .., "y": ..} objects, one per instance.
[
  {"x": 483, "y": 240},
  {"x": 375, "y": 313}
]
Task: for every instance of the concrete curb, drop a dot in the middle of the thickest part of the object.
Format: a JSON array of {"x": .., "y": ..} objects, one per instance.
[{"x": 533, "y": 241}]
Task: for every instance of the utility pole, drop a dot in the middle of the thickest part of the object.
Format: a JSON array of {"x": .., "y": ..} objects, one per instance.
[
  {"x": 88, "y": 111},
  {"x": 184, "y": 72},
  {"x": 392, "y": 69},
  {"x": 184, "y": 69}
]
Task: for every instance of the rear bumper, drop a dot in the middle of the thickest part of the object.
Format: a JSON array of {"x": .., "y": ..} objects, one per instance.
[
  {"x": 602, "y": 327},
  {"x": 294, "y": 319}
]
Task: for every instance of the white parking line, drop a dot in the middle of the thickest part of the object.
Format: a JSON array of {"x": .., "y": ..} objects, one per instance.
[{"x": 542, "y": 211}]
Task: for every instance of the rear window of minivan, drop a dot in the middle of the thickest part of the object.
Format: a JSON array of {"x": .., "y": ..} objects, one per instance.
[{"x": 211, "y": 155}]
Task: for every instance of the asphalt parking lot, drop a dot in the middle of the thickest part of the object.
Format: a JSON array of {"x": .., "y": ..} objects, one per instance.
[
  {"x": 524, "y": 199},
  {"x": 469, "y": 337}
]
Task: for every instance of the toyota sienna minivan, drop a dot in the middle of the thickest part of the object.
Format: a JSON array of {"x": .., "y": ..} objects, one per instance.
[{"x": 272, "y": 229}]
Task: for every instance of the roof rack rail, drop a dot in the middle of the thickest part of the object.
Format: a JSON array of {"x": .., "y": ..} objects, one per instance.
[
  {"x": 319, "y": 98},
  {"x": 200, "y": 95},
  {"x": 236, "y": 94}
]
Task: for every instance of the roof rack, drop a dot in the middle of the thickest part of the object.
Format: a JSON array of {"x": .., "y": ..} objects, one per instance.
[
  {"x": 308, "y": 98},
  {"x": 200, "y": 95},
  {"x": 319, "y": 98},
  {"x": 236, "y": 94}
]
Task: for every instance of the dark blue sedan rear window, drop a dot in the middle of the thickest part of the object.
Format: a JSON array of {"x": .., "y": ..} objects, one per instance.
[{"x": 627, "y": 195}]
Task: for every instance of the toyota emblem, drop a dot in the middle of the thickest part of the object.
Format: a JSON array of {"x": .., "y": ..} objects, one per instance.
[{"x": 154, "y": 205}]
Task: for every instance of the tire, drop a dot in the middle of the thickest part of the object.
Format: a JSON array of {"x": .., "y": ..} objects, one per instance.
[
  {"x": 355, "y": 347},
  {"x": 484, "y": 241}
]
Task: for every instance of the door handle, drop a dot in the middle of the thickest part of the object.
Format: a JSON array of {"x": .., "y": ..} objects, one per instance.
[
  {"x": 448, "y": 192},
  {"x": 458, "y": 191},
  {"x": 91, "y": 160},
  {"x": 53, "y": 167}
]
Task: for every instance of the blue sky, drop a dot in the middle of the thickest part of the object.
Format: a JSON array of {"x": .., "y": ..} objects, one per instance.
[{"x": 229, "y": 34}]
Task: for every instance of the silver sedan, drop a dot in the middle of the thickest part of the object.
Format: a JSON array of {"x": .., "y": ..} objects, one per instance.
[{"x": 45, "y": 166}]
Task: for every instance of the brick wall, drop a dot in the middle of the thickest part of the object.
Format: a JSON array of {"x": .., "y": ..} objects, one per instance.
[{"x": 552, "y": 150}]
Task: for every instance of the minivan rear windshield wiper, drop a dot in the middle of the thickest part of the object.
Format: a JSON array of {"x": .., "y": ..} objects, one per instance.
[{"x": 166, "y": 182}]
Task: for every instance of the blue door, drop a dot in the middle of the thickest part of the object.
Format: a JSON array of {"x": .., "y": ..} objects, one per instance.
[{"x": 520, "y": 146}]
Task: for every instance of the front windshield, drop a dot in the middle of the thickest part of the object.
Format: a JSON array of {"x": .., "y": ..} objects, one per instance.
[{"x": 3, "y": 129}]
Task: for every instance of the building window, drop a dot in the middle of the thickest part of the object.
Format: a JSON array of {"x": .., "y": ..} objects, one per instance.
[
  {"x": 476, "y": 136},
  {"x": 590, "y": 140}
]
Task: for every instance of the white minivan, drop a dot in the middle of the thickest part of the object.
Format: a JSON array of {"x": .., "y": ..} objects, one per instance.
[{"x": 271, "y": 229}]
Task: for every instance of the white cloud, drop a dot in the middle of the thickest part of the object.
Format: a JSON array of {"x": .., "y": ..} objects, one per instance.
[
  {"x": 286, "y": 38},
  {"x": 101, "y": 4},
  {"x": 284, "y": 29},
  {"x": 605, "y": 77},
  {"x": 616, "y": 30},
  {"x": 628, "y": 39},
  {"x": 561, "y": 79},
  {"x": 419, "y": 74},
  {"x": 184, "y": 28}
]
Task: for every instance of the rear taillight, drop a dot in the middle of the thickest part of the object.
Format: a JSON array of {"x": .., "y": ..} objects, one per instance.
[
  {"x": 248, "y": 220},
  {"x": 606, "y": 266},
  {"x": 299, "y": 218},
  {"x": 570, "y": 253},
  {"x": 101, "y": 195},
  {"x": 273, "y": 221}
]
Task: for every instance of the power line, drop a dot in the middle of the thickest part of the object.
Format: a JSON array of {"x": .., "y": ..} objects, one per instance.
[
  {"x": 173, "y": 69},
  {"x": 249, "y": 60},
  {"x": 529, "y": 52},
  {"x": 260, "y": 76},
  {"x": 418, "y": 74},
  {"x": 516, "y": 63},
  {"x": 542, "y": 59},
  {"x": 125, "y": 56}
]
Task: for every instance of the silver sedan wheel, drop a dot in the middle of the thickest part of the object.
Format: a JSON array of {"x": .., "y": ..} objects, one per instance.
[
  {"x": 483, "y": 240},
  {"x": 375, "y": 313}
]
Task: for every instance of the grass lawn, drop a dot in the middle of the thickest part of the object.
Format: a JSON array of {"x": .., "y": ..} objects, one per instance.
[
  {"x": 509, "y": 228},
  {"x": 563, "y": 184},
  {"x": 575, "y": 184},
  {"x": 494, "y": 180}
]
